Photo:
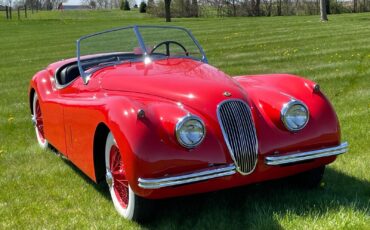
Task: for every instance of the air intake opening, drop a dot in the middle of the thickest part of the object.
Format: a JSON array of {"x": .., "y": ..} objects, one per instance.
[{"x": 238, "y": 129}]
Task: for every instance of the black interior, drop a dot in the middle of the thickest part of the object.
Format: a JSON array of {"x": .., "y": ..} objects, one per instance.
[{"x": 68, "y": 74}]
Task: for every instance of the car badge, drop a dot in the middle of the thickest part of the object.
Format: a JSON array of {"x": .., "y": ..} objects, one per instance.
[{"x": 227, "y": 94}]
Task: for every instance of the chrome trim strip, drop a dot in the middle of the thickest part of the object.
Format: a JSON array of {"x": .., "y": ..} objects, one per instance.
[
  {"x": 314, "y": 154},
  {"x": 140, "y": 40},
  {"x": 187, "y": 178}
]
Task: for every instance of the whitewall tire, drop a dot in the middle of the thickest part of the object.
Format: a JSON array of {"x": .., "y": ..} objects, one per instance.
[{"x": 126, "y": 202}]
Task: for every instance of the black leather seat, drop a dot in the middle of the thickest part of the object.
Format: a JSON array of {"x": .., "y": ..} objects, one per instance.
[{"x": 68, "y": 74}]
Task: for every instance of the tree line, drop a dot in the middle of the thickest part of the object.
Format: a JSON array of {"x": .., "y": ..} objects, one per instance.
[
  {"x": 236, "y": 8},
  {"x": 213, "y": 8},
  {"x": 33, "y": 4}
]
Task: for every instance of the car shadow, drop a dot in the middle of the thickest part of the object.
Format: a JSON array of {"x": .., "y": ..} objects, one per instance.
[
  {"x": 102, "y": 188},
  {"x": 254, "y": 206},
  {"x": 258, "y": 206}
]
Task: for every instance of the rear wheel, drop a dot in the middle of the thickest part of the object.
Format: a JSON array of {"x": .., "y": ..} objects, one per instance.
[
  {"x": 309, "y": 179},
  {"x": 38, "y": 122},
  {"x": 126, "y": 202}
]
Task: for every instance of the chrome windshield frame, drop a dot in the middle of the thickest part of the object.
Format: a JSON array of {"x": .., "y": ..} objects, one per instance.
[
  {"x": 188, "y": 32},
  {"x": 140, "y": 40}
]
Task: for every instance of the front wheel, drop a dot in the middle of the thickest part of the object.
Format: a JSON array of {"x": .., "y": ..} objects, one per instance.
[
  {"x": 126, "y": 202},
  {"x": 309, "y": 179}
]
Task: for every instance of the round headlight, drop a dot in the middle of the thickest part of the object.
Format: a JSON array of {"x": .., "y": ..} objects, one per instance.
[
  {"x": 190, "y": 131},
  {"x": 294, "y": 115}
]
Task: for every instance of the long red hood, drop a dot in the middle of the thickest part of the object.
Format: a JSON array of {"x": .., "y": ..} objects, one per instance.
[
  {"x": 187, "y": 81},
  {"x": 201, "y": 87}
]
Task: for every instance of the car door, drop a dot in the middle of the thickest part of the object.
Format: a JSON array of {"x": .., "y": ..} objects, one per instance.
[{"x": 79, "y": 123}]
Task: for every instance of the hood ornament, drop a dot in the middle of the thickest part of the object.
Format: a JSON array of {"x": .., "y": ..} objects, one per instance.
[{"x": 227, "y": 94}]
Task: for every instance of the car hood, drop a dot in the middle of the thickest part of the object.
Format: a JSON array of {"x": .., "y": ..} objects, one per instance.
[{"x": 190, "y": 82}]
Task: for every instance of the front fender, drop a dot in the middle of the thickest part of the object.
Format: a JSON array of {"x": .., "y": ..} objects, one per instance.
[
  {"x": 269, "y": 93},
  {"x": 148, "y": 145}
]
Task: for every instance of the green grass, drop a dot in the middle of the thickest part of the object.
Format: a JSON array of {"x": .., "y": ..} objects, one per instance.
[{"x": 40, "y": 190}]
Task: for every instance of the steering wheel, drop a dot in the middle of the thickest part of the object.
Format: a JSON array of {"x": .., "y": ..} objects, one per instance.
[{"x": 167, "y": 43}]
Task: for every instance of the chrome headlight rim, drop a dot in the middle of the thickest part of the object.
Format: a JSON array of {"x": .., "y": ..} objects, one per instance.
[
  {"x": 286, "y": 108},
  {"x": 183, "y": 121}
]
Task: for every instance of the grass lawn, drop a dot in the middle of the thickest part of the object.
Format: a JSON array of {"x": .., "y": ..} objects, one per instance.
[{"x": 43, "y": 191}]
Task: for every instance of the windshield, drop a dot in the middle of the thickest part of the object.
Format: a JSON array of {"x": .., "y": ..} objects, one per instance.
[{"x": 135, "y": 43}]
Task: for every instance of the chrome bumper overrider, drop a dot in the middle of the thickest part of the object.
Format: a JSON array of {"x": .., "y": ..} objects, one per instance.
[
  {"x": 303, "y": 156},
  {"x": 187, "y": 178}
]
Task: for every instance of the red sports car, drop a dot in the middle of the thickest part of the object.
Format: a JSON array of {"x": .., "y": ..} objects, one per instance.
[{"x": 141, "y": 109}]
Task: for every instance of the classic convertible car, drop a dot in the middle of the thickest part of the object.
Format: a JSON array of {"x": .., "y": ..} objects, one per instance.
[{"x": 141, "y": 109}]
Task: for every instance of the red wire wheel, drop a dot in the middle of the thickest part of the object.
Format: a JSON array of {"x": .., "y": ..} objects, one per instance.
[
  {"x": 120, "y": 183},
  {"x": 38, "y": 122},
  {"x": 124, "y": 199}
]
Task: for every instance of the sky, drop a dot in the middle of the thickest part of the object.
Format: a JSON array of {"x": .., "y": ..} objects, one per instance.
[{"x": 73, "y": 2}]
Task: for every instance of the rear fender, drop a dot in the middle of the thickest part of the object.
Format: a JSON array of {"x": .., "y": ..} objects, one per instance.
[{"x": 40, "y": 83}]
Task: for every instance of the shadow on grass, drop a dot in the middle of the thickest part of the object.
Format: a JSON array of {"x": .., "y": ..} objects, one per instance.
[
  {"x": 254, "y": 206},
  {"x": 258, "y": 206},
  {"x": 102, "y": 188}
]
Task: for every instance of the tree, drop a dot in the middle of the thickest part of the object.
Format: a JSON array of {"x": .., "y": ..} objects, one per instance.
[
  {"x": 102, "y": 3},
  {"x": 279, "y": 8},
  {"x": 187, "y": 9},
  {"x": 92, "y": 4},
  {"x": 233, "y": 4},
  {"x": 142, "y": 8},
  {"x": 48, "y": 5},
  {"x": 167, "y": 10},
  {"x": 328, "y": 7},
  {"x": 194, "y": 8},
  {"x": 257, "y": 8},
  {"x": 56, "y": 3},
  {"x": 324, "y": 16},
  {"x": 150, "y": 6},
  {"x": 126, "y": 5}
]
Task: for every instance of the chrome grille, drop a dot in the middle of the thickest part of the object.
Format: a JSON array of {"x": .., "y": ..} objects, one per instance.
[{"x": 237, "y": 126}]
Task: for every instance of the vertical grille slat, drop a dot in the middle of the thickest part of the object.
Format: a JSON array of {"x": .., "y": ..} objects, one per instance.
[
  {"x": 237, "y": 126},
  {"x": 246, "y": 140}
]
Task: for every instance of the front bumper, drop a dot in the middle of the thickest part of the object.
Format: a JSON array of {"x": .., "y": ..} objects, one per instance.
[
  {"x": 304, "y": 156},
  {"x": 187, "y": 178},
  {"x": 227, "y": 170}
]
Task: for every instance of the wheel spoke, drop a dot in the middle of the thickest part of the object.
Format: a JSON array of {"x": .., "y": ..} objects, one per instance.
[{"x": 120, "y": 182}]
